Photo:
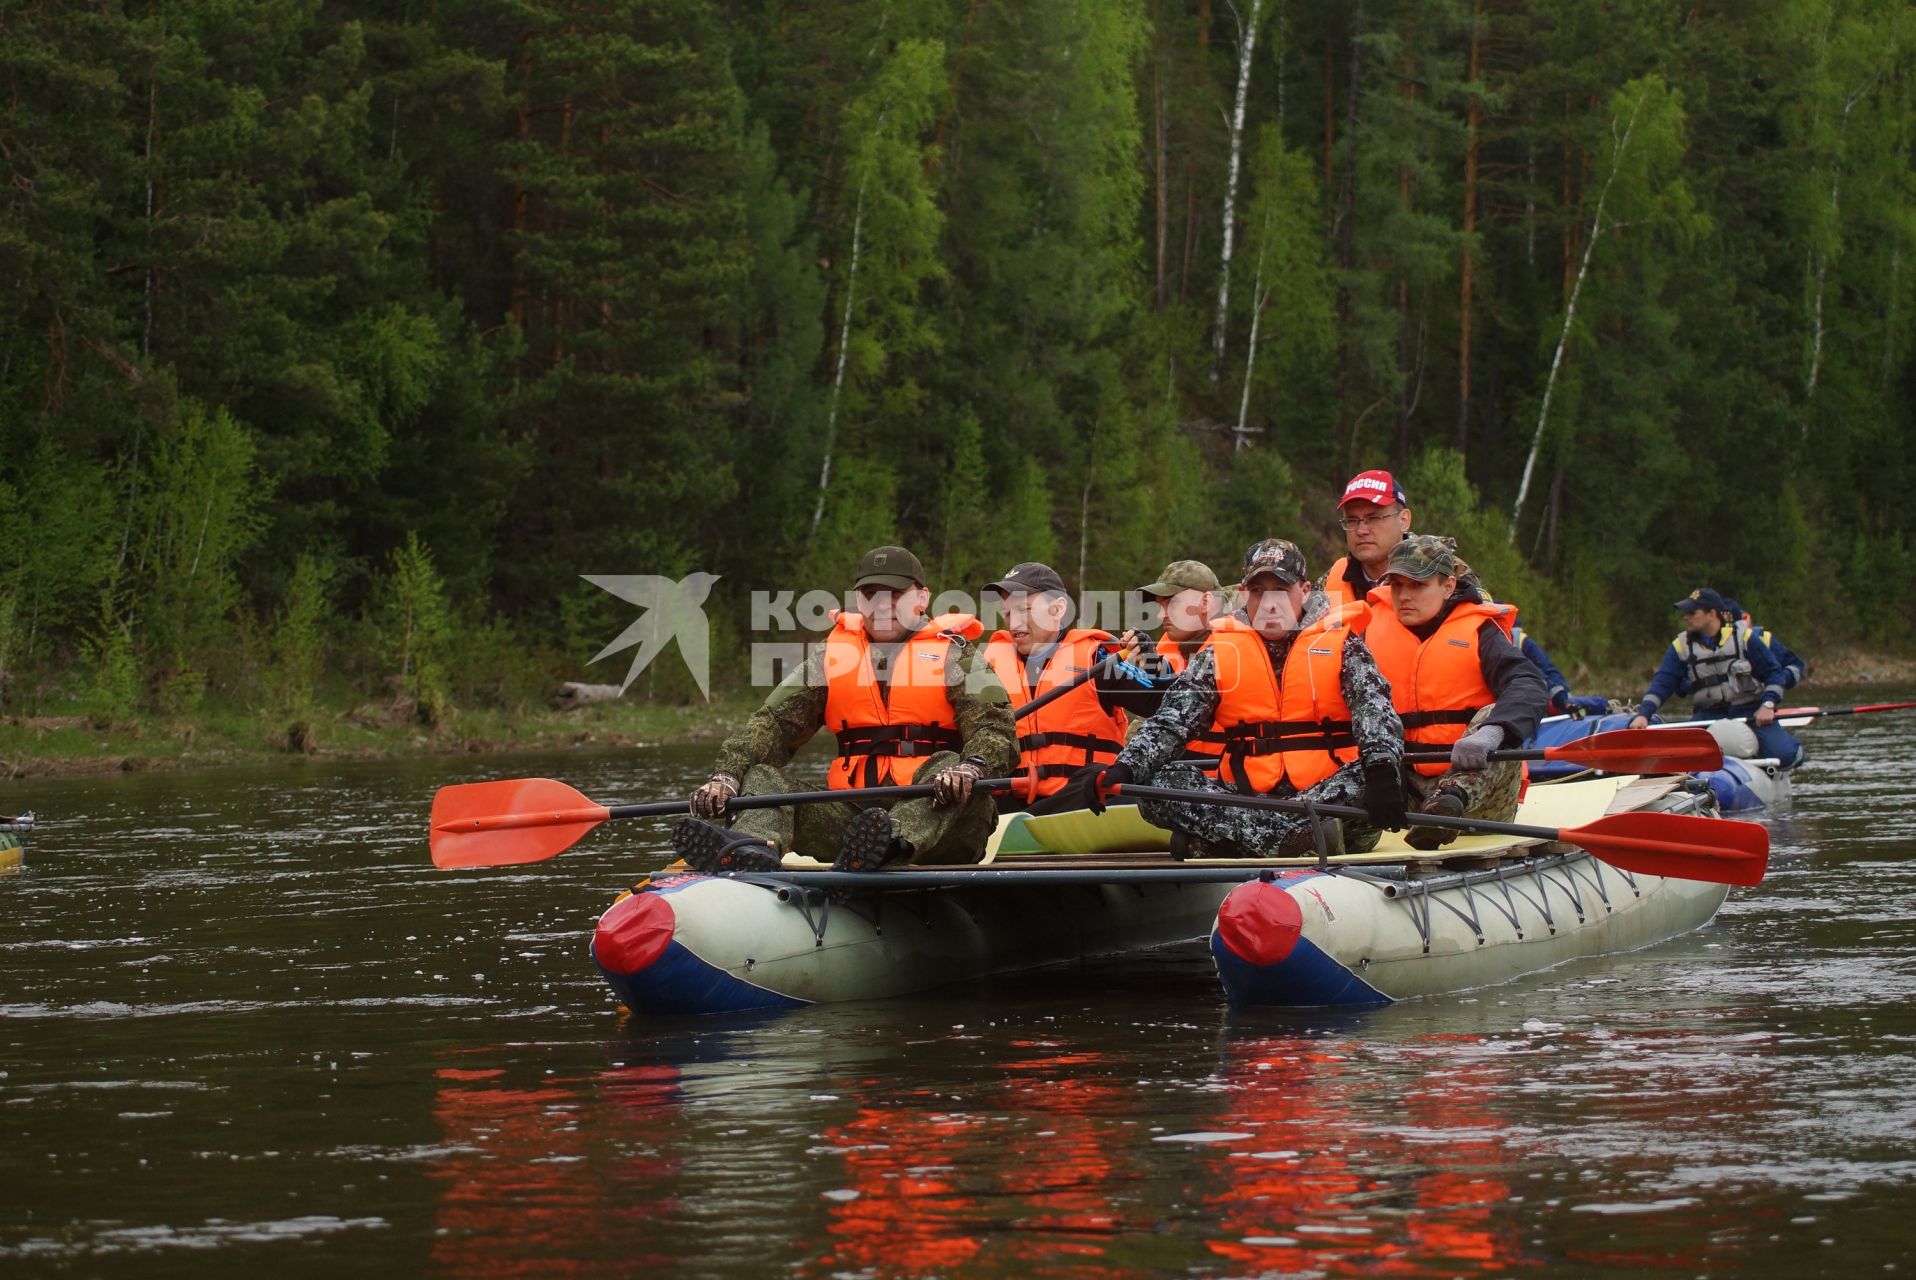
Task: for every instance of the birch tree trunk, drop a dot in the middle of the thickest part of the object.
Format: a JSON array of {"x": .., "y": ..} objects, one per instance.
[
  {"x": 838, "y": 377},
  {"x": 1820, "y": 259},
  {"x": 1160, "y": 196},
  {"x": 1597, "y": 228},
  {"x": 1468, "y": 271},
  {"x": 1246, "y": 44},
  {"x": 1240, "y": 438}
]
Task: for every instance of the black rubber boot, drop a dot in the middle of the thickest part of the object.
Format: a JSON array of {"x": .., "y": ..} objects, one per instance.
[
  {"x": 1301, "y": 843},
  {"x": 869, "y": 842},
  {"x": 710, "y": 848},
  {"x": 1446, "y": 804}
]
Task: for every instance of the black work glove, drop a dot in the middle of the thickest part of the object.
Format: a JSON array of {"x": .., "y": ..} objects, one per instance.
[
  {"x": 1384, "y": 796},
  {"x": 1091, "y": 781}
]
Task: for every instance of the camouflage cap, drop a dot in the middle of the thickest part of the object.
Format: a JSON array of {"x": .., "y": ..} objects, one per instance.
[
  {"x": 1181, "y": 575},
  {"x": 1425, "y": 555},
  {"x": 1278, "y": 557},
  {"x": 892, "y": 567}
]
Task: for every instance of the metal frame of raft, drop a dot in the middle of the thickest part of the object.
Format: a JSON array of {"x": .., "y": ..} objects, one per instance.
[
  {"x": 1536, "y": 869},
  {"x": 820, "y": 891}
]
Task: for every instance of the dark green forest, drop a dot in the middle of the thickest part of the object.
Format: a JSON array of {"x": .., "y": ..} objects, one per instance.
[{"x": 340, "y": 339}]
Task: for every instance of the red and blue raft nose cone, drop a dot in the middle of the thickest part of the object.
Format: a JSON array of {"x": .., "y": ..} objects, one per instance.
[
  {"x": 634, "y": 932},
  {"x": 1259, "y": 922}
]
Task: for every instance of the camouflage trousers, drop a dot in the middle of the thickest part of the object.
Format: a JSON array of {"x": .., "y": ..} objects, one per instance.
[
  {"x": 1260, "y": 832},
  {"x": 955, "y": 835},
  {"x": 1489, "y": 793}
]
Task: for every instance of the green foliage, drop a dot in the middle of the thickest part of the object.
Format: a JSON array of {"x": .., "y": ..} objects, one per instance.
[
  {"x": 197, "y": 518},
  {"x": 112, "y": 691},
  {"x": 1445, "y": 502},
  {"x": 1288, "y": 282},
  {"x": 299, "y": 638},
  {"x": 415, "y": 628},
  {"x": 1257, "y": 499},
  {"x": 563, "y": 286},
  {"x": 861, "y": 513},
  {"x": 57, "y": 546}
]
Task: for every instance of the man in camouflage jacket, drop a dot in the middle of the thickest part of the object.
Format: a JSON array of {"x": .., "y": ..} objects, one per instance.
[
  {"x": 1374, "y": 780},
  {"x": 950, "y": 826}
]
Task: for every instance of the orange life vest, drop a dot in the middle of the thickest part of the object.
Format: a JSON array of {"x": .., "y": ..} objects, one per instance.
[
  {"x": 1337, "y": 589},
  {"x": 886, "y": 729},
  {"x": 1294, "y": 724},
  {"x": 1069, "y": 732},
  {"x": 1437, "y": 685},
  {"x": 1210, "y": 742}
]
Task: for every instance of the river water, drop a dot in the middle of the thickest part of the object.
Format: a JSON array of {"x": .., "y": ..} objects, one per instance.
[{"x": 246, "y": 1027}]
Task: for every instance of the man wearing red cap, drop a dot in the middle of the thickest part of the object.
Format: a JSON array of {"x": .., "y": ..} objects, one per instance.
[{"x": 1375, "y": 515}]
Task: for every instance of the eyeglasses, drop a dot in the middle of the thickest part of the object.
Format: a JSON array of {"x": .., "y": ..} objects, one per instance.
[{"x": 1368, "y": 522}]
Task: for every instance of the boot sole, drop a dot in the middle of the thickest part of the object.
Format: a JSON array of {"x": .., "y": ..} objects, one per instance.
[
  {"x": 868, "y": 842},
  {"x": 708, "y": 847}
]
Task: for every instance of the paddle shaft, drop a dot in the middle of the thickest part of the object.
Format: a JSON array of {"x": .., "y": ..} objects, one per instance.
[
  {"x": 1091, "y": 673},
  {"x": 1782, "y": 714},
  {"x": 666, "y": 808},
  {"x": 1410, "y": 757},
  {"x": 1805, "y": 713},
  {"x": 1518, "y": 829}
]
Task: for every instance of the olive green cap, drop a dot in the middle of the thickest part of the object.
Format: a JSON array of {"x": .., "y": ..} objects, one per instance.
[{"x": 1181, "y": 575}]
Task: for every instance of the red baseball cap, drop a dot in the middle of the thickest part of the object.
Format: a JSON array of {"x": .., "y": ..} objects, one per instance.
[{"x": 1379, "y": 487}]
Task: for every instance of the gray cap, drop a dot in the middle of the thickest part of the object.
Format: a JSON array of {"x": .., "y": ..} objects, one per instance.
[
  {"x": 1039, "y": 579},
  {"x": 1279, "y": 557},
  {"x": 892, "y": 567},
  {"x": 1181, "y": 575}
]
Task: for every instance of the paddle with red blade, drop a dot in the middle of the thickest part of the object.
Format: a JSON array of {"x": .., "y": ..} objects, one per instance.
[
  {"x": 1680, "y": 846},
  {"x": 519, "y": 820},
  {"x": 1619, "y": 751}
]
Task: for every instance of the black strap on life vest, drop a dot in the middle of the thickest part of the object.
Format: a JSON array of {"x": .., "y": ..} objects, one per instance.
[
  {"x": 1424, "y": 719},
  {"x": 1210, "y": 743},
  {"x": 1096, "y": 750},
  {"x": 1050, "y": 770},
  {"x": 1083, "y": 741},
  {"x": 1274, "y": 737},
  {"x": 878, "y": 740}
]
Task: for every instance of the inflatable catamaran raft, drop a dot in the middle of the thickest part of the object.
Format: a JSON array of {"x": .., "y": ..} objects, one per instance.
[{"x": 1359, "y": 929}]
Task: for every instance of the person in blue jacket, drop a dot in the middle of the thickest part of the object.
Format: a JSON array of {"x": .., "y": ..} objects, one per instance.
[
  {"x": 1726, "y": 671},
  {"x": 1553, "y": 680},
  {"x": 1794, "y": 668}
]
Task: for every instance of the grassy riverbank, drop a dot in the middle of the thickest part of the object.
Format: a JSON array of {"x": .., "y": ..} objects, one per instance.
[{"x": 67, "y": 745}]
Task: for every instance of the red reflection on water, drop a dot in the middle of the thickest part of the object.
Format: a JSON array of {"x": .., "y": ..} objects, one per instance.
[
  {"x": 1320, "y": 1186},
  {"x": 901, "y": 1208},
  {"x": 525, "y": 1189},
  {"x": 1021, "y": 1183}
]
